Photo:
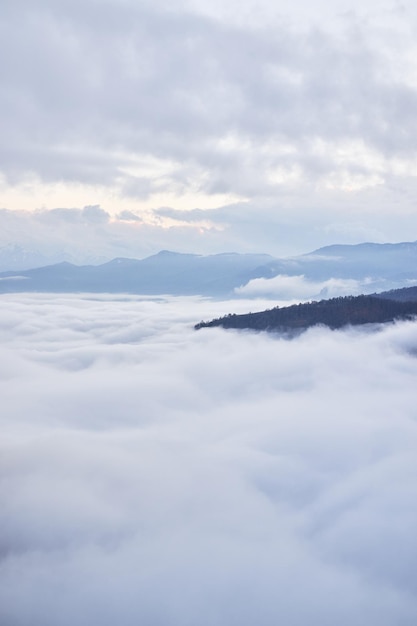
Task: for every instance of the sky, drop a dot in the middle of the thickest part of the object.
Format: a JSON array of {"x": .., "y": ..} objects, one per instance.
[
  {"x": 152, "y": 474},
  {"x": 132, "y": 126}
]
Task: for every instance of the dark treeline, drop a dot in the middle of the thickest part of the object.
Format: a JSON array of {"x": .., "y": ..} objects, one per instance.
[
  {"x": 405, "y": 294},
  {"x": 334, "y": 313}
]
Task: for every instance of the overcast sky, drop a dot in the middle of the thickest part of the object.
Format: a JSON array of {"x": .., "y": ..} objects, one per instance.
[{"x": 250, "y": 126}]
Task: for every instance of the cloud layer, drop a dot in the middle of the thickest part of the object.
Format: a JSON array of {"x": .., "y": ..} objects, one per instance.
[
  {"x": 153, "y": 474},
  {"x": 307, "y": 116},
  {"x": 234, "y": 108}
]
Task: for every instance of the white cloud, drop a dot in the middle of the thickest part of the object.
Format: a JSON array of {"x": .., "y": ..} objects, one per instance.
[
  {"x": 286, "y": 287},
  {"x": 153, "y": 474}
]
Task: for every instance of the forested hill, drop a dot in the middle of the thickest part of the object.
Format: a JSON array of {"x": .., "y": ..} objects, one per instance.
[{"x": 334, "y": 313}]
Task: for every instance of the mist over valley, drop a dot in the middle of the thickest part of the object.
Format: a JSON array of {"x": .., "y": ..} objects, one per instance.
[{"x": 154, "y": 474}]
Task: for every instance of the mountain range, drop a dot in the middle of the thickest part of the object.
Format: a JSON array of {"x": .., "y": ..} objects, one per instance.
[
  {"x": 382, "y": 266},
  {"x": 376, "y": 267},
  {"x": 163, "y": 273}
]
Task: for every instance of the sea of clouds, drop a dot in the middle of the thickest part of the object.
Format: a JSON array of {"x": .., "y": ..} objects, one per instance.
[{"x": 155, "y": 475}]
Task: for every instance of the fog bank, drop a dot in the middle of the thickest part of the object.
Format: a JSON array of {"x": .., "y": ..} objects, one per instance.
[{"x": 156, "y": 475}]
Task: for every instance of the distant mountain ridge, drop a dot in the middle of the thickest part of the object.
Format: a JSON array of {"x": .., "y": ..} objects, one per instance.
[
  {"x": 163, "y": 273},
  {"x": 375, "y": 267},
  {"x": 386, "y": 264}
]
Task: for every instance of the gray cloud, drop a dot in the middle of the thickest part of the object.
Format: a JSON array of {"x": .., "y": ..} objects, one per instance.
[
  {"x": 289, "y": 224},
  {"x": 90, "y": 235},
  {"x": 129, "y": 216},
  {"x": 303, "y": 121},
  {"x": 87, "y": 91},
  {"x": 152, "y": 474}
]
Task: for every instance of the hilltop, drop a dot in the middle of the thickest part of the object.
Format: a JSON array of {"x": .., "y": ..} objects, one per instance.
[{"x": 333, "y": 313}]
